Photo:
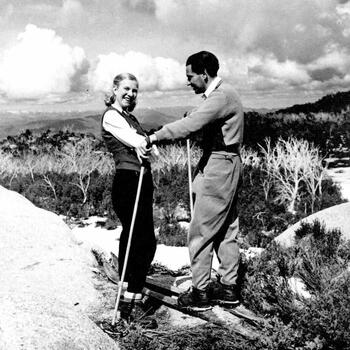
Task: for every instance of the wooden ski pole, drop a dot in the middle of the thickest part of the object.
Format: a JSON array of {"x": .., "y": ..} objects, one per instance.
[
  {"x": 189, "y": 175},
  {"x": 116, "y": 314}
]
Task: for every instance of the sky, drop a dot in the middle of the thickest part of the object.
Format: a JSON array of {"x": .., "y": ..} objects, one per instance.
[{"x": 63, "y": 54}]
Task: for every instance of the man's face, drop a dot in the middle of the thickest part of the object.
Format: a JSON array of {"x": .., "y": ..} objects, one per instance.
[
  {"x": 196, "y": 81},
  {"x": 126, "y": 93}
]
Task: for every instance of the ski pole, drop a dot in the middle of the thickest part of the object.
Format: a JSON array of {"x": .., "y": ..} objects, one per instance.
[
  {"x": 116, "y": 314},
  {"x": 189, "y": 175}
]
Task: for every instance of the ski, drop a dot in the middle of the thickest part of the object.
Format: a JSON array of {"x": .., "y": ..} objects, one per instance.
[
  {"x": 239, "y": 310},
  {"x": 216, "y": 316},
  {"x": 167, "y": 294}
]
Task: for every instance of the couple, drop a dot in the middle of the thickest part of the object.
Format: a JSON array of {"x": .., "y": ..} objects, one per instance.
[{"x": 214, "y": 225}]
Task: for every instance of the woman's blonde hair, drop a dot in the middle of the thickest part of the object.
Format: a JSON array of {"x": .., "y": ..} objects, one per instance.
[{"x": 110, "y": 98}]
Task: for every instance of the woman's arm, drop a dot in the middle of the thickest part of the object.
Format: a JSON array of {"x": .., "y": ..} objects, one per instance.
[{"x": 114, "y": 123}]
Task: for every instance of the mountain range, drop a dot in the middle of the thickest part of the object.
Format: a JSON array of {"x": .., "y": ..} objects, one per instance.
[
  {"x": 150, "y": 118},
  {"x": 332, "y": 103},
  {"x": 80, "y": 122}
]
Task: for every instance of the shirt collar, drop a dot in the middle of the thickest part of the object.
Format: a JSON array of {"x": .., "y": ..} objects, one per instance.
[
  {"x": 116, "y": 105},
  {"x": 212, "y": 86}
]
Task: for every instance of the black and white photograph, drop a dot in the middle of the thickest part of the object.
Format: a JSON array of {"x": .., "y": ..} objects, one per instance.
[{"x": 175, "y": 174}]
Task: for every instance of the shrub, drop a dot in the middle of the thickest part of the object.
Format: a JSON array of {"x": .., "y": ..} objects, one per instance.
[
  {"x": 265, "y": 287},
  {"x": 262, "y": 215},
  {"x": 321, "y": 259},
  {"x": 172, "y": 234},
  {"x": 73, "y": 176},
  {"x": 260, "y": 219},
  {"x": 171, "y": 189},
  {"x": 326, "y": 316},
  {"x": 327, "y": 131}
]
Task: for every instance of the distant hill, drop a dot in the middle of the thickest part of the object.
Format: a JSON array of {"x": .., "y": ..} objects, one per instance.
[
  {"x": 150, "y": 118},
  {"x": 260, "y": 110},
  {"x": 15, "y": 123},
  {"x": 333, "y": 103}
]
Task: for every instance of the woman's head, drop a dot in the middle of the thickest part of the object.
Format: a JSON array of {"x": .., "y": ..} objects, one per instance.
[{"x": 125, "y": 89}]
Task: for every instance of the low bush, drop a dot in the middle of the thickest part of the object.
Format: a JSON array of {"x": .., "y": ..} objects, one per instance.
[
  {"x": 325, "y": 318},
  {"x": 73, "y": 174},
  {"x": 172, "y": 234},
  {"x": 263, "y": 219},
  {"x": 292, "y": 321},
  {"x": 63, "y": 196},
  {"x": 327, "y": 131},
  {"x": 320, "y": 258}
]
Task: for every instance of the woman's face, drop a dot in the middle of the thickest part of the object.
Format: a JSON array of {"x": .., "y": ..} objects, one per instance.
[{"x": 126, "y": 93}]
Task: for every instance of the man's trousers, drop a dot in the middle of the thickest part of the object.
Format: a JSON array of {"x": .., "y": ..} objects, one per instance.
[{"x": 214, "y": 226}]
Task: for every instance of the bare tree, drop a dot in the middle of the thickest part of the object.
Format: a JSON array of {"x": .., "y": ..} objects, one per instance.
[
  {"x": 81, "y": 159},
  {"x": 290, "y": 164}
]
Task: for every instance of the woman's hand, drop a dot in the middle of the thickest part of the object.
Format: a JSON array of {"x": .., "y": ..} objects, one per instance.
[{"x": 143, "y": 150}]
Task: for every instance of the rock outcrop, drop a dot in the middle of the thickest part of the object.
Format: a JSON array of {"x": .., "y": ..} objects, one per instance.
[
  {"x": 48, "y": 296},
  {"x": 337, "y": 216}
]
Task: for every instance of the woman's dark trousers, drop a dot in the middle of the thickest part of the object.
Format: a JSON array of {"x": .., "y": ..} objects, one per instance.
[{"x": 143, "y": 243}]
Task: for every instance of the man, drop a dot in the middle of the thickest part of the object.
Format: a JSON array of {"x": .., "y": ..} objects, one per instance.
[{"x": 214, "y": 226}]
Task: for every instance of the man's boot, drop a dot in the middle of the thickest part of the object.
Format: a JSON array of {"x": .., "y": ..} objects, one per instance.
[
  {"x": 223, "y": 294},
  {"x": 194, "y": 299}
]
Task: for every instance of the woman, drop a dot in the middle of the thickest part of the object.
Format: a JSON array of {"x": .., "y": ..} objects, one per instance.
[{"x": 123, "y": 136}]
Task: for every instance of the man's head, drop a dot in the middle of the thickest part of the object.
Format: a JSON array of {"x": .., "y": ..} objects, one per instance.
[{"x": 201, "y": 69}]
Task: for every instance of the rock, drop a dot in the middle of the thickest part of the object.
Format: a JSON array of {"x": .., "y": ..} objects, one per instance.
[
  {"x": 298, "y": 287},
  {"x": 181, "y": 213},
  {"x": 252, "y": 252},
  {"x": 337, "y": 216},
  {"x": 48, "y": 295}
]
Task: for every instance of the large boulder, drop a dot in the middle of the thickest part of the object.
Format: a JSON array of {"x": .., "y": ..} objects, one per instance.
[
  {"x": 48, "y": 294},
  {"x": 337, "y": 217}
]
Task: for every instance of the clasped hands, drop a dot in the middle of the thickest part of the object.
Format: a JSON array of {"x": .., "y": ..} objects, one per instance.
[{"x": 146, "y": 147}]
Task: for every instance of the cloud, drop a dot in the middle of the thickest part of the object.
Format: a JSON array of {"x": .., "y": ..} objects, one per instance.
[
  {"x": 325, "y": 74},
  {"x": 71, "y": 13},
  {"x": 290, "y": 30},
  {"x": 287, "y": 72},
  {"x": 156, "y": 73},
  {"x": 6, "y": 13},
  {"x": 41, "y": 64},
  {"x": 268, "y": 46},
  {"x": 334, "y": 63},
  {"x": 140, "y": 5},
  {"x": 53, "y": 14},
  {"x": 343, "y": 11}
]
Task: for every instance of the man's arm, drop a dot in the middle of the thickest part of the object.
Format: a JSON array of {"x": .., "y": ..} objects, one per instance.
[{"x": 213, "y": 108}]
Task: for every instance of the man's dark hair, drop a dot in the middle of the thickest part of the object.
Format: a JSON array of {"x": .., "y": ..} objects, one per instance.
[{"x": 202, "y": 61}]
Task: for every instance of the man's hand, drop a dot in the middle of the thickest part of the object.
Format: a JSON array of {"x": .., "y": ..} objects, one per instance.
[
  {"x": 143, "y": 150},
  {"x": 151, "y": 139}
]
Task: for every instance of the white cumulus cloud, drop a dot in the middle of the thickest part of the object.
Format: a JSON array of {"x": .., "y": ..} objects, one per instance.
[
  {"x": 288, "y": 72},
  {"x": 153, "y": 73},
  {"x": 39, "y": 64},
  {"x": 285, "y": 43}
]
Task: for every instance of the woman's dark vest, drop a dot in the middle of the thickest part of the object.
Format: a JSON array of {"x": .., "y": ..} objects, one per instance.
[{"x": 124, "y": 156}]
